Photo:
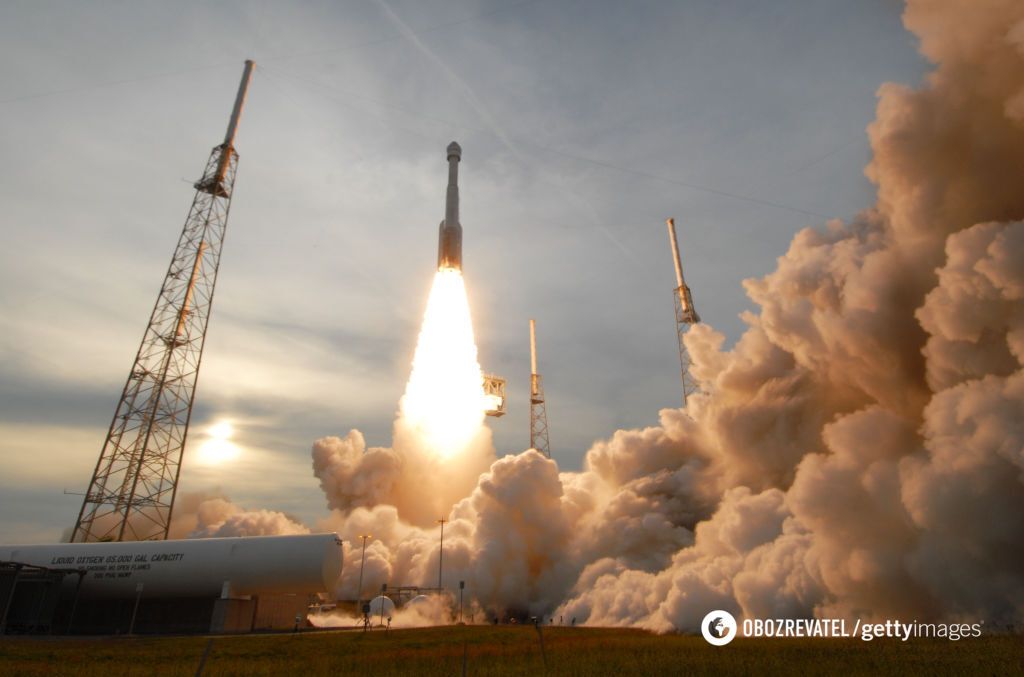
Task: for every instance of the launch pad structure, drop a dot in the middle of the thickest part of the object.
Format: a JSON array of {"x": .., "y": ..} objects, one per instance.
[
  {"x": 686, "y": 314},
  {"x": 132, "y": 490},
  {"x": 494, "y": 395}
]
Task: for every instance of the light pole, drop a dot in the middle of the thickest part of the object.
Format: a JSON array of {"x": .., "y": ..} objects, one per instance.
[
  {"x": 462, "y": 586},
  {"x": 440, "y": 555},
  {"x": 359, "y": 593}
]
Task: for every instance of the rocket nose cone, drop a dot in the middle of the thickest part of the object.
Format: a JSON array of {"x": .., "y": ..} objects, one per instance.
[{"x": 454, "y": 150}]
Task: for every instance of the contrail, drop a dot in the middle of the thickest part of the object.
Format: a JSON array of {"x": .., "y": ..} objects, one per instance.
[
  {"x": 478, "y": 106},
  {"x": 461, "y": 85}
]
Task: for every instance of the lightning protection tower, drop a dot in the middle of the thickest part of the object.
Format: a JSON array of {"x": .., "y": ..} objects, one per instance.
[
  {"x": 131, "y": 494},
  {"x": 538, "y": 408},
  {"x": 686, "y": 315}
]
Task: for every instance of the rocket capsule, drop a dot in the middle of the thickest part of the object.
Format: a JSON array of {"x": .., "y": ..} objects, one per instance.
[{"x": 449, "y": 241}]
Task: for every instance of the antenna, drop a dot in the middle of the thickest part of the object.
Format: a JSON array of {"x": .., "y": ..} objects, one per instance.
[
  {"x": 538, "y": 408},
  {"x": 131, "y": 494},
  {"x": 686, "y": 315}
]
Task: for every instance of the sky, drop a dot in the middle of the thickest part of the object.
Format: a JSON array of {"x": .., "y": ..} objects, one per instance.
[{"x": 583, "y": 125}]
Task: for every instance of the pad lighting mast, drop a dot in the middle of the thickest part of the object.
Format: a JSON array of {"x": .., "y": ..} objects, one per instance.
[
  {"x": 440, "y": 554},
  {"x": 362, "y": 562},
  {"x": 686, "y": 315},
  {"x": 538, "y": 408},
  {"x": 131, "y": 494}
]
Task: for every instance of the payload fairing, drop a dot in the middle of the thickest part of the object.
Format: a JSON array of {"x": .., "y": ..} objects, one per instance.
[{"x": 449, "y": 240}]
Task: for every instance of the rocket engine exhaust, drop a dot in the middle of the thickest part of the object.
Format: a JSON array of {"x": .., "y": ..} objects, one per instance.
[{"x": 449, "y": 240}]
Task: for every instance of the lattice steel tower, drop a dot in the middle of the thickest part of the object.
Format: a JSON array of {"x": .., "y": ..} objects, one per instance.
[
  {"x": 686, "y": 314},
  {"x": 538, "y": 408},
  {"x": 131, "y": 495}
]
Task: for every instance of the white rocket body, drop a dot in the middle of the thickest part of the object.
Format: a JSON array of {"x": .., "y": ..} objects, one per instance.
[{"x": 449, "y": 240}]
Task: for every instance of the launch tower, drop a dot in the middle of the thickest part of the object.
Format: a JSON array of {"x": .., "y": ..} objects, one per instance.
[
  {"x": 538, "y": 408},
  {"x": 686, "y": 315},
  {"x": 131, "y": 494}
]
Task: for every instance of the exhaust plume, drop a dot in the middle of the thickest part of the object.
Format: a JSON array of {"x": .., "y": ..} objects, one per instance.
[
  {"x": 441, "y": 445},
  {"x": 444, "y": 401}
]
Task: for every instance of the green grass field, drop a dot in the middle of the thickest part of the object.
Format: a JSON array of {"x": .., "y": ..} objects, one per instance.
[{"x": 504, "y": 651}]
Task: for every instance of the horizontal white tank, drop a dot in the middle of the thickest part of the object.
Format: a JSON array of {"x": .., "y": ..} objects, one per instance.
[{"x": 195, "y": 567}]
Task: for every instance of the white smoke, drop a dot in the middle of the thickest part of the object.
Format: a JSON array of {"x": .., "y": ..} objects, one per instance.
[
  {"x": 211, "y": 515},
  {"x": 419, "y": 612},
  {"x": 876, "y": 401}
]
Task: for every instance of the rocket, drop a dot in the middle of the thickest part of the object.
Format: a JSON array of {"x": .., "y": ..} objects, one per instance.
[{"x": 449, "y": 235}]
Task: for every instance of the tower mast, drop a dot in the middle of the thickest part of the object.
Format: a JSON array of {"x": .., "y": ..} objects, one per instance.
[
  {"x": 538, "y": 408},
  {"x": 686, "y": 315},
  {"x": 131, "y": 494}
]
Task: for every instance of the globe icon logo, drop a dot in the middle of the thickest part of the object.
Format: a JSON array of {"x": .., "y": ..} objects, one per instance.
[{"x": 718, "y": 627}]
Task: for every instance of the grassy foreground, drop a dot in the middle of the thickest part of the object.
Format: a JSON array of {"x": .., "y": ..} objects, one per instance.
[{"x": 504, "y": 651}]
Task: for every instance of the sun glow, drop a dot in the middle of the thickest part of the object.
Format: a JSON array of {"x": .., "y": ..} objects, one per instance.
[
  {"x": 444, "y": 399},
  {"x": 218, "y": 447}
]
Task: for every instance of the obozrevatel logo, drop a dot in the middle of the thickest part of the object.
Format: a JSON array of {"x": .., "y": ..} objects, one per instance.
[{"x": 718, "y": 627}]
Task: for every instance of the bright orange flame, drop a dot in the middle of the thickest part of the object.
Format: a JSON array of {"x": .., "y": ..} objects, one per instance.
[{"x": 444, "y": 399}]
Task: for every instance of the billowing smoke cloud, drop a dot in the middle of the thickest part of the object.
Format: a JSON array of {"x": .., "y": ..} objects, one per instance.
[
  {"x": 859, "y": 452},
  {"x": 875, "y": 403},
  {"x": 407, "y": 476},
  {"x": 209, "y": 515},
  {"x": 506, "y": 540}
]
